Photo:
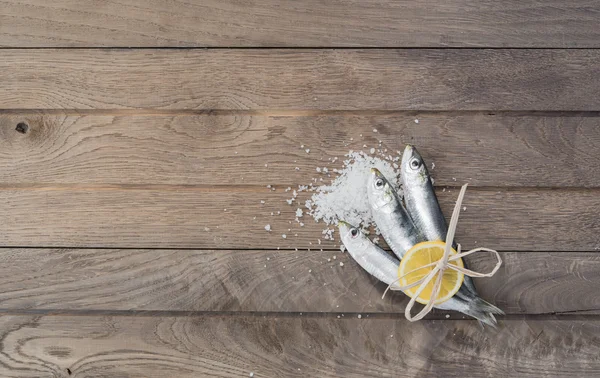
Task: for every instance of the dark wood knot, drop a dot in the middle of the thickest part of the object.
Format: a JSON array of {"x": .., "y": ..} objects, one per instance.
[{"x": 22, "y": 127}]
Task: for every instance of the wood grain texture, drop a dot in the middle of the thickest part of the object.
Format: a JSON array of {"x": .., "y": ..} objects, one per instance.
[
  {"x": 457, "y": 23},
  {"x": 293, "y": 347},
  {"x": 483, "y": 150},
  {"x": 223, "y": 217},
  {"x": 84, "y": 281},
  {"x": 422, "y": 79}
]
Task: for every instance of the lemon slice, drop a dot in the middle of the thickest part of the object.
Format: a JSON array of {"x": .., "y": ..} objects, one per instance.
[{"x": 420, "y": 255}]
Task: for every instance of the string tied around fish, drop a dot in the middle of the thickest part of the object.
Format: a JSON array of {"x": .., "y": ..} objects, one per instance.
[{"x": 441, "y": 266}]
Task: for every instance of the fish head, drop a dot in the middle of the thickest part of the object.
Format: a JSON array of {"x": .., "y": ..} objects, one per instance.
[
  {"x": 379, "y": 190},
  {"x": 352, "y": 237},
  {"x": 413, "y": 166}
]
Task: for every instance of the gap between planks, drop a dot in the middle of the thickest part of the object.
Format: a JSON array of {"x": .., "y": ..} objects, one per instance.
[
  {"x": 250, "y": 188},
  {"x": 243, "y": 249},
  {"x": 583, "y": 315},
  {"x": 282, "y": 47},
  {"x": 298, "y": 112}
]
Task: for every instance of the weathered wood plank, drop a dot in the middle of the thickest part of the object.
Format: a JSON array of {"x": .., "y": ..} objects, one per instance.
[
  {"x": 293, "y": 347},
  {"x": 483, "y": 150},
  {"x": 423, "y": 79},
  {"x": 223, "y": 217},
  {"x": 458, "y": 23},
  {"x": 270, "y": 281}
]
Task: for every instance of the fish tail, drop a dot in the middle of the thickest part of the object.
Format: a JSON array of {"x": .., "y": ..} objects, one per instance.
[{"x": 484, "y": 312}]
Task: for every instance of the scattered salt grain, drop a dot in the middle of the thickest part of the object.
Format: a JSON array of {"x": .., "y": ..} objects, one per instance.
[
  {"x": 372, "y": 150},
  {"x": 416, "y": 121},
  {"x": 284, "y": 236},
  {"x": 334, "y": 257},
  {"x": 206, "y": 229},
  {"x": 359, "y": 316},
  {"x": 432, "y": 165},
  {"x": 301, "y": 146},
  {"x": 447, "y": 316},
  {"x": 251, "y": 375},
  {"x": 318, "y": 169},
  {"x": 269, "y": 186},
  {"x": 266, "y": 165},
  {"x": 464, "y": 208},
  {"x": 341, "y": 263},
  {"x": 374, "y": 130},
  {"x": 307, "y": 150},
  {"x": 268, "y": 227},
  {"x": 262, "y": 202},
  {"x": 297, "y": 168},
  {"x": 310, "y": 271},
  {"x": 346, "y": 197}
]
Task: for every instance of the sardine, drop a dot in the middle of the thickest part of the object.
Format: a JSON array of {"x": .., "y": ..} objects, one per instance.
[
  {"x": 420, "y": 198},
  {"x": 423, "y": 206},
  {"x": 422, "y": 203},
  {"x": 368, "y": 255},
  {"x": 390, "y": 215},
  {"x": 384, "y": 267}
]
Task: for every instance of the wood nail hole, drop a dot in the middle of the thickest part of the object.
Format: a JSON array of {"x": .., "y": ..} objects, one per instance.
[
  {"x": 69, "y": 371},
  {"x": 22, "y": 127}
]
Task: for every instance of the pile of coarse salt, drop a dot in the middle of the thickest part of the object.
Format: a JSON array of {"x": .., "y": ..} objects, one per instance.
[{"x": 345, "y": 199}]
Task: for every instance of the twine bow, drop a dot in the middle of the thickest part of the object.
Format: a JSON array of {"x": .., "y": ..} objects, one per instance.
[{"x": 441, "y": 266}]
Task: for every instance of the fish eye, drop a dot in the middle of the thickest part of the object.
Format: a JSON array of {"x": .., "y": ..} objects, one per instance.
[
  {"x": 379, "y": 183},
  {"x": 414, "y": 164},
  {"x": 354, "y": 232}
]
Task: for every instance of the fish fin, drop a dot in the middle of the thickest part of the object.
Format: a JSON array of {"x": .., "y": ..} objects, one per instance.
[{"x": 484, "y": 312}]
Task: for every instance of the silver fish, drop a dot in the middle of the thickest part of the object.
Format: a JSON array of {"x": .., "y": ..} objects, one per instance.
[
  {"x": 392, "y": 219},
  {"x": 369, "y": 256},
  {"x": 424, "y": 208},
  {"x": 384, "y": 267},
  {"x": 422, "y": 203},
  {"x": 420, "y": 198}
]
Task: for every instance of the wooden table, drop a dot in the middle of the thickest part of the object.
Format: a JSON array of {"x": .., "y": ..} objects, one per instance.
[{"x": 137, "y": 140}]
